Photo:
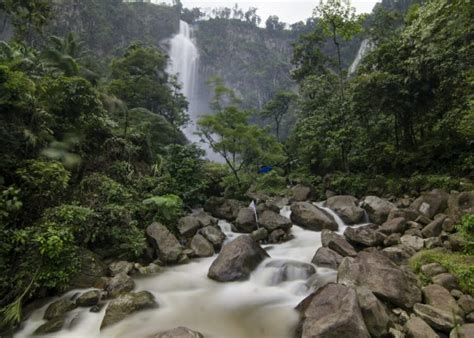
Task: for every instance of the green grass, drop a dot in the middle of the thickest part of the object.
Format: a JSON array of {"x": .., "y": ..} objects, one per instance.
[{"x": 459, "y": 264}]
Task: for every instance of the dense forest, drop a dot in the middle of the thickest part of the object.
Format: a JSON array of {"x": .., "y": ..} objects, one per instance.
[{"x": 92, "y": 148}]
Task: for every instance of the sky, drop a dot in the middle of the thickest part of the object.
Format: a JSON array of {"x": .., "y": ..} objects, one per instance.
[{"x": 289, "y": 11}]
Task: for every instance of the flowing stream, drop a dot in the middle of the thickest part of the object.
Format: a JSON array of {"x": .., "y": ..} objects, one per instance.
[
  {"x": 365, "y": 47},
  {"x": 260, "y": 307}
]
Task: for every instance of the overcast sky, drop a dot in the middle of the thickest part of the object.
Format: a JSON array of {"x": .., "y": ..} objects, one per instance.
[{"x": 289, "y": 11}]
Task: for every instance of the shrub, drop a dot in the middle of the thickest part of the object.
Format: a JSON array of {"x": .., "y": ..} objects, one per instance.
[
  {"x": 98, "y": 189},
  {"x": 166, "y": 209},
  {"x": 271, "y": 183}
]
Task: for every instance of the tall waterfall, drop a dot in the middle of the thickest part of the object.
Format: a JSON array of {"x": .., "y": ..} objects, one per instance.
[{"x": 365, "y": 47}]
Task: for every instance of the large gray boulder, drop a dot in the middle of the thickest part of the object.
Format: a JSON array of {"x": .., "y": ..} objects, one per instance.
[
  {"x": 462, "y": 331},
  {"x": 336, "y": 242},
  {"x": 301, "y": 193},
  {"x": 128, "y": 303},
  {"x": 393, "y": 226},
  {"x": 237, "y": 260},
  {"x": 246, "y": 221},
  {"x": 179, "y": 332},
  {"x": 91, "y": 271},
  {"x": 118, "y": 267},
  {"x": 165, "y": 243},
  {"x": 53, "y": 325},
  {"x": 438, "y": 319},
  {"x": 119, "y": 284},
  {"x": 378, "y": 209},
  {"x": 375, "y": 314},
  {"x": 222, "y": 208},
  {"x": 271, "y": 220},
  {"x": 440, "y": 298},
  {"x": 460, "y": 204},
  {"x": 189, "y": 225},
  {"x": 383, "y": 277},
  {"x": 332, "y": 311},
  {"x": 213, "y": 235},
  {"x": 347, "y": 208},
  {"x": 417, "y": 328},
  {"x": 431, "y": 203},
  {"x": 59, "y": 308},
  {"x": 366, "y": 235},
  {"x": 89, "y": 298},
  {"x": 201, "y": 246},
  {"x": 327, "y": 258},
  {"x": 435, "y": 227},
  {"x": 310, "y": 217}
]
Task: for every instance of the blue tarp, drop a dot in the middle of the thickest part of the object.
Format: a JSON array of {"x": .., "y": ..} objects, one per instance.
[{"x": 265, "y": 169}]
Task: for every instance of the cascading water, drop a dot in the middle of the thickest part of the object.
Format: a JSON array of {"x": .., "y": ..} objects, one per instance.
[
  {"x": 261, "y": 307},
  {"x": 365, "y": 47}
]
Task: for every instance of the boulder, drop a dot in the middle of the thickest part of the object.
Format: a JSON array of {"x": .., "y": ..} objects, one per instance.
[
  {"x": 53, "y": 325},
  {"x": 311, "y": 217},
  {"x": 399, "y": 254},
  {"x": 89, "y": 298},
  {"x": 277, "y": 236},
  {"x": 179, "y": 332},
  {"x": 273, "y": 221},
  {"x": 327, "y": 258},
  {"x": 457, "y": 242},
  {"x": 380, "y": 275},
  {"x": 259, "y": 234},
  {"x": 119, "y": 284},
  {"x": 436, "y": 318},
  {"x": 237, "y": 260},
  {"x": 434, "y": 228},
  {"x": 440, "y": 298},
  {"x": 213, "y": 235},
  {"x": 431, "y": 203},
  {"x": 433, "y": 242},
  {"x": 392, "y": 239},
  {"x": 466, "y": 302},
  {"x": 119, "y": 267},
  {"x": 59, "y": 308},
  {"x": 290, "y": 270},
  {"x": 301, "y": 193},
  {"x": 332, "y": 311},
  {"x": 375, "y": 314},
  {"x": 246, "y": 222},
  {"x": 407, "y": 214},
  {"x": 446, "y": 280},
  {"x": 189, "y": 225},
  {"x": 150, "y": 269},
  {"x": 222, "y": 208},
  {"x": 336, "y": 242},
  {"x": 347, "y": 208},
  {"x": 128, "y": 303},
  {"x": 377, "y": 209},
  {"x": 395, "y": 225},
  {"x": 463, "y": 331},
  {"x": 449, "y": 225},
  {"x": 460, "y": 204},
  {"x": 432, "y": 269},
  {"x": 365, "y": 235},
  {"x": 470, "y": 317},
  {"x": 456, "y": 293},
  {"x": 417, "y": 328},
  {"x": 201, "y": 246},
  {"x": 413, "y": 242},
  {"x": 165, "y": 243},
  {"x": 91, "y": 271}
]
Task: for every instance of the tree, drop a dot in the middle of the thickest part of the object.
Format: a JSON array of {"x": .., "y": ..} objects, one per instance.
[
  {"x": 277, "y": 108},
  {"x": 273, "y": 24}
]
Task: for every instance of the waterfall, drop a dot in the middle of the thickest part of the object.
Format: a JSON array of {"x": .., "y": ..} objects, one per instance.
[{"x": 365, "y": 47}]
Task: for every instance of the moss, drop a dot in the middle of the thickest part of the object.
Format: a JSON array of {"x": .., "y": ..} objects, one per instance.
[{"x": 460, "y": 265}]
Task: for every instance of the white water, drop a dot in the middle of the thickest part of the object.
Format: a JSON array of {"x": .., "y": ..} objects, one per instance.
[
  {"x": 256, "y": 308},
  {"x": 365, "y": 47}
]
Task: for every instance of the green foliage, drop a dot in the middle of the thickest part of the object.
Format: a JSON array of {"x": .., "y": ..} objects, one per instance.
[
  {"x": 459, "y": 264},
  {"x": 466, "y": 227},
  {"x": 10, "y": 203},
  {"x": 271, "y": 184},
  {"x": 166, "y": 209}
]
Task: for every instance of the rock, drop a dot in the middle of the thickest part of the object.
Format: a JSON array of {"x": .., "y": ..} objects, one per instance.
[
  {"x": 391, "y": 240},
  {"x": 433, "y": 242},
  {"x": 374, "y": 312},
  {"x": 407, "y": 214},
  {"x": 259, "y": 234},
  {"x": 59, "y": 308},
  {"x": 301, "y": 193},
  {"x": 446, "y": 280},
  {"x": 119, "y": 267},
  {"x": 290, "y": 270},
  {"x": 237, "y": 260},
  {"x": 179, "y": 332},
  {"x": 432, "y": 203},
  {"x": 332, "y": 311},
  {"x": 470, "y": 317},
  {"x": 277, "y": 236},
  {"x": 119, "y": 284},
  {"x": 52, "y": 325},
  {"x": 347, "y": 208},
  {"x": 413, "y": 242},
  {"x": 466, "y": 302},
  {"x": 273, "y": 221},
  {"x": 381, "y": 276},
  {"x": 201, "y": 246},
  {"x": 89, "y": 298},
  {"x": 267, "y": 206},
  {"x": 403, "y": 316},
  {"x": 165, "y": 243},
  {"x": 457, "y": 242},
  {"x": 222, "y": 208},
  {"x": 246, "y": 222},
  {"x": 432, "y": 269},
  {"x": 463, "y": 331},
  {"x": 449, "y": 225},
  {"x": 436, "y": 318},
  {"x": 423, "y": 220},
  {"x": 327, "y": 258},
  {"x": 188, "y": 226},
  {"x": 394, "y": 333},
  {"x": 336, "y": 242},
  {"x": 150, "y": 269},
  {"x": 395, "y": 225},
  {"x": 365, "y": 235},
  {"x": 377, "y": 208},
  {"x": 311, "y": 217},
  {"x": 213, "y": 235},
  {"x": 456, "y": 293},
  {"x": 417, "y": 328},
  {"x": 460, "y": 204},
  {"x": 440, "y": 298},
  {"x": 118, "y": 309},
  {"x": 90, "y": 273},
  {"x": 434, "y": 228},
  {"x": 399, "y": 254}
]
